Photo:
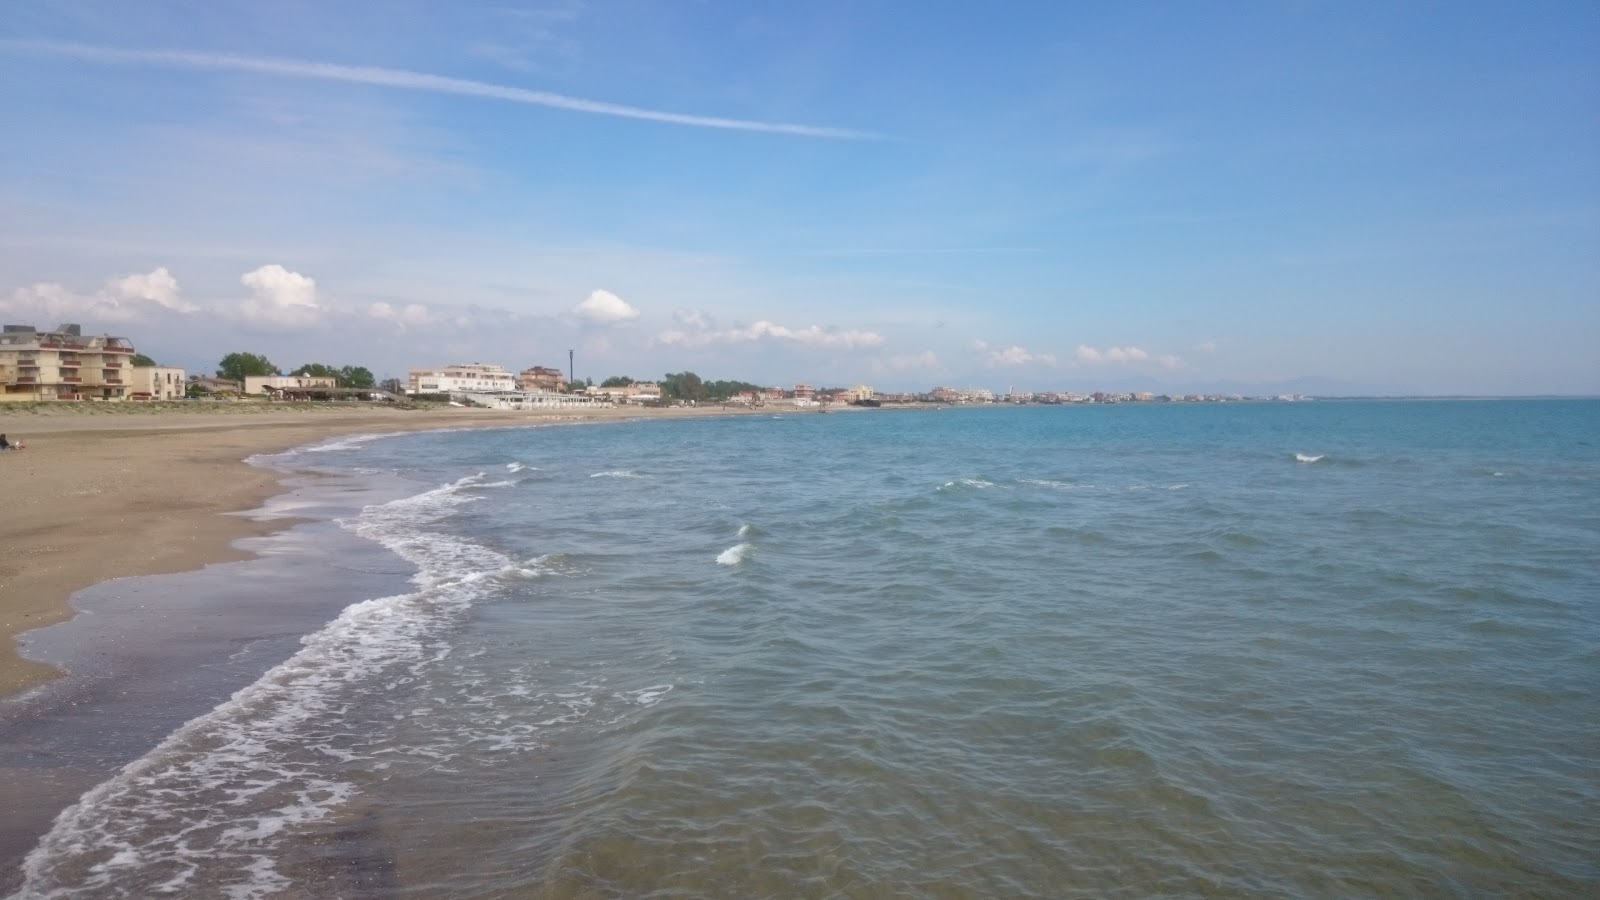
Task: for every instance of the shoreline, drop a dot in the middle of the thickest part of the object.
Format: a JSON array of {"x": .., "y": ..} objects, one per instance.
[{"x": 103, "y": 492}]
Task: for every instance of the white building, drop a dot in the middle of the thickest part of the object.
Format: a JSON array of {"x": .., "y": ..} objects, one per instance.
[
  {"x": 259, "y": 384},
  {"x": 526, "y": 400},
  {"x": 157, "y": 383},
  {"x": 461, "y": 378},
  {"x": 638, "y": 392}
]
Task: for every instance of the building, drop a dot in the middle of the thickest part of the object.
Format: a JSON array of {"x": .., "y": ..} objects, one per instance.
[
  {"x": 157, "y": 383},
  {"x": 62, "y": 364},
  {"x": 529, "y": 400},
  {"x": 541, "y": 378},
  {"x": 804, "y": 392},
  {"x": 638, "y": 392},
  {"x": 211, "y": 384},
  {"x": 267, "y": 384},
  {"x": 461, "y": 378},
  {"x": 858, "y": 392}
]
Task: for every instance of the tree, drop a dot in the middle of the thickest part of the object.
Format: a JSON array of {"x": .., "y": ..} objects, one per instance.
[
  {"x": 617, "y": 381},
  {"x": 722, "y": 390},
  {"x": 141, "y": 361},
  {"x": 235, "y": 366},
  {"x": 682, "y": 386},
  {"x": 393, "y": 386},
  {"x": 316, "y": 370},
  {"x": 356, "y": 377}
]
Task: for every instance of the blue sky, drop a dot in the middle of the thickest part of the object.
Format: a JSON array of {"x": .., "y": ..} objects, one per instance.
[{"x": 1330, "y": 196}]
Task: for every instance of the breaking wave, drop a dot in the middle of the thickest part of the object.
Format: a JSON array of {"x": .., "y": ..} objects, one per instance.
[
  {"x": 270, "y": 758},
  {"x": 735, "y": 555}
]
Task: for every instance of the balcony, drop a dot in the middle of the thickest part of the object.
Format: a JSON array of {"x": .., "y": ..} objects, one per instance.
[
  {"x": 112, "y": 364},
  {"x": 112, "y": 380},
  {"x": 72, "y": 379},
  {"x": 27, "y": 379}
]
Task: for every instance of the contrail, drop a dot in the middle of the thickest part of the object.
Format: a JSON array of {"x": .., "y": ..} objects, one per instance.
[{"x": 415, "y": 81}]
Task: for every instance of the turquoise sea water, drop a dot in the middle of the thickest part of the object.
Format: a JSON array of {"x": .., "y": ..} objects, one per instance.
[{"x": 1308, "y": 649}]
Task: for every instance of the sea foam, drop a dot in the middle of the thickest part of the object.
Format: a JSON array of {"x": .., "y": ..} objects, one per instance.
[
  {"x": 1307, "y": 458},
  {"x": 270, "y": 758},
  {"x": 735, "y": 555}
]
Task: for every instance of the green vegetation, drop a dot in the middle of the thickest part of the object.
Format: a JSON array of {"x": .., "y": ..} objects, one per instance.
[
  {"x": 618, "y": 381},
  {"x": 235, "y": 366},
  {"x": 683, "y": 386},
  {"x": 689, "y": 386},
  {"x": 722, "y": 390},
  {"x": 345, "y": 376},
  {"x": 141, "y": 361}
]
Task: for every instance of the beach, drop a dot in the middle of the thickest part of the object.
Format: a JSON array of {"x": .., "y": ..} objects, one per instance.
[
  {"x": 108, "y": 491},
  {"x": 1253, "y": 649}
]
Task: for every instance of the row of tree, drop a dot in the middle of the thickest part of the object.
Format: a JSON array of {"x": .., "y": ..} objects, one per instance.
[
  {"x": 237, "y": 366},
  {"x": 689, "y": 386}
]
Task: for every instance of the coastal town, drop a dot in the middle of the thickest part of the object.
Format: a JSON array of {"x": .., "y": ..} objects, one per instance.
[{"x": 67, "y": 365}]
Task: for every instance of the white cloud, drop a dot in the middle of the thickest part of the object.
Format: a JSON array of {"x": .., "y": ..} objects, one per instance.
[
  {"x": 1170, "y": 362},
  {"x": 157, "y": 286},
  {"x": 281, "y": 297},
  {"x": 1207, "y": 346},
  {"x": 1128, "y": 354},
  {"x": 605, "y": 308},
  {"x": 812, "y": 336},
  {"x": 126, "y": 298},
  {"x": 1013, "y": 355},
  {"x": 927, "y": 359},
  {"x": 402, "y": 317},
  {"x": 693, "y": 318}
]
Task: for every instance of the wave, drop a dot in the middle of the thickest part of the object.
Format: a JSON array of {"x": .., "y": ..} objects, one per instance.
[
  {"x": 268, "y": 759},
  {"x": 1050, "y": 483},
  {"x": 746, "y": 530},
  {"x": 619, "y": 473},
  {"x": 966, "y": 484},
  {"x": 735, "y": 555},
  {"x": 515, "y": 466},
  {"x": 1307, "y": 458},
  {"x": 345, "y": 442}
]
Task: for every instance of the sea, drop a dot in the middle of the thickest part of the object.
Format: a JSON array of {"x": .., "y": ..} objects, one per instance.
[{"x": 1310, "y": 649}]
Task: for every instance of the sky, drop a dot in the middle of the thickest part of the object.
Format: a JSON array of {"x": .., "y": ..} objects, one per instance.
[{"x": 1326, "y": 197}]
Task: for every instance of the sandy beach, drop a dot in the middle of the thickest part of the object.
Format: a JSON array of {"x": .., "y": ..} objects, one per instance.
[{"x": 114, "y": 490}]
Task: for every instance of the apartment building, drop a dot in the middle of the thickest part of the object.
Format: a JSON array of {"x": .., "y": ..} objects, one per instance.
[
  {"x": 541, "y": 378},
  {"x": 62, "y": 364},
  {"x": 157, "y": 383},
  {"x": 460, "y": 378}
]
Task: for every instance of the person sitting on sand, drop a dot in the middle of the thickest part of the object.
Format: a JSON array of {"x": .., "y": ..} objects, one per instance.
[{"x": 4, "y": 444}]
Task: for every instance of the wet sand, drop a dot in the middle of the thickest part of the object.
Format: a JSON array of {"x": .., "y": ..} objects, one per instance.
[{"x": 113, "y": 490}]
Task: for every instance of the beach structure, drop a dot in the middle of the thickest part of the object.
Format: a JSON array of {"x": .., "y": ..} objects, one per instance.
[
  {"x": 210, "y": 384},
  {"x": 638, "y": 392},
  {"x": 63, "y": 364},
  {"x": 157, "y": 383},
  {"x": 528, "y": 400},
  {"x": 269, "y": 384},
  {"x": 461, "y": 378}
]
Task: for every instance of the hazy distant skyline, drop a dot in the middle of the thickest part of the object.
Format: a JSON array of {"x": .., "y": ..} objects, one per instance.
[{"x": 1334, "y": 197}]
